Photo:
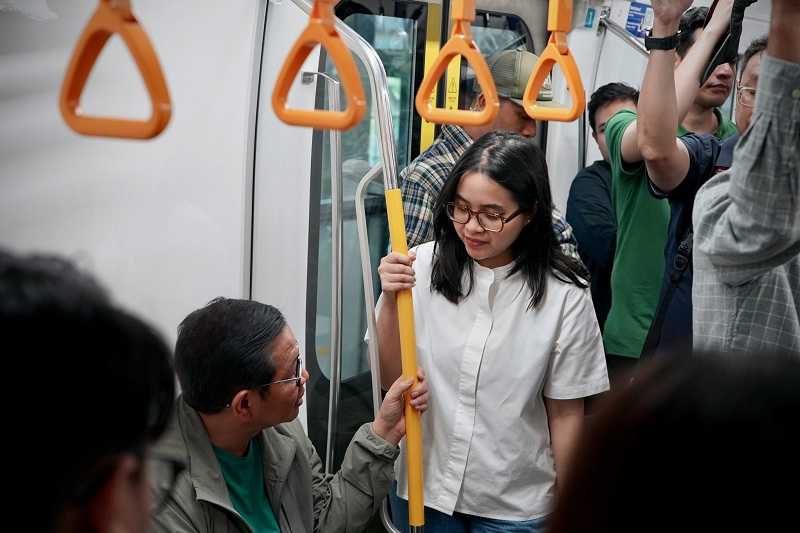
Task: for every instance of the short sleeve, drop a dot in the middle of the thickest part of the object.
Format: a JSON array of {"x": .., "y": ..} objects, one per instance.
[
  {"x": 578, "y": 366},
  {"x": 703, "y": 153},
  {"x": 615, "y": 130}
]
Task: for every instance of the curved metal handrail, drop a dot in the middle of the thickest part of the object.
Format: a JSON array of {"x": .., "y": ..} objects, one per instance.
[{"x": 377, "y": 78}]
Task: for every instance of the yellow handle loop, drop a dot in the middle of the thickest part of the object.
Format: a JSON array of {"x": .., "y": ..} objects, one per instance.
[
  {"x": 460, "y": 43},
  {"x": 115, "y": 16},
  {"x": 321, "y": 29},
  {"x": 557, "y": 51}
]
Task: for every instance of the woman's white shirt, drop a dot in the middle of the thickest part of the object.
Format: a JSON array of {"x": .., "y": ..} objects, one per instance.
[{"x": 489, "y": 361}]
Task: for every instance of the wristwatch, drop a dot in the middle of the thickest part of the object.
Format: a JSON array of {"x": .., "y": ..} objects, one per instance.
[{"x": 660, "y": 43}]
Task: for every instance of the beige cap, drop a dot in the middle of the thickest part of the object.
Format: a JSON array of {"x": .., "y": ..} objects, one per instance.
[{"x": 511, "y": 70}]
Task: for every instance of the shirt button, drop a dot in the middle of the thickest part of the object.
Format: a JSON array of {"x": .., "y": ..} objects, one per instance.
[{"x": 796, "y": 94}]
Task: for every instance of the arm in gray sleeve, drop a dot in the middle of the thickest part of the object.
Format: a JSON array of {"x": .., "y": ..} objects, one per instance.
[
  {"x": 346, "y": 501},
  {"x": 748, "y": 222}
]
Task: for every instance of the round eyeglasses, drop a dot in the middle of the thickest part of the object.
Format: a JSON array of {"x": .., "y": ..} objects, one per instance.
[{"x": 494, "y": 222}]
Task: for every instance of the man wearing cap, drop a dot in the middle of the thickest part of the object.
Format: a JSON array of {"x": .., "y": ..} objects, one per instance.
[{"x": 423, "y": 179}]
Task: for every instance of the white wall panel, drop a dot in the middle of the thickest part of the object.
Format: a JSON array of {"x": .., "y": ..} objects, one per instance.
[{"x": 160, "y": 222}]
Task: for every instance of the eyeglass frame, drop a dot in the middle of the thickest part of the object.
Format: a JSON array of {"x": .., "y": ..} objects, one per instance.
[
  {"x": 471, "y": 213},
  {"x": 299, "y": 367},
  {"x": 742, "y": 88}
]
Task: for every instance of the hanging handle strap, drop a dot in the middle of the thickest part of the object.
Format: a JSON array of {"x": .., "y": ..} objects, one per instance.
[
  {"x": 115, "y": 16},
  {"x": 460, "y": 43},
  {"x": 321, "y": 29},
  {"x": 559, "y": 22}
]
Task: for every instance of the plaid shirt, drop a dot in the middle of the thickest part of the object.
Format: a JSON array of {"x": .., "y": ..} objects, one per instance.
[
  {"x": 746, "y": 289},
  {"x": 422, "y": 180}
]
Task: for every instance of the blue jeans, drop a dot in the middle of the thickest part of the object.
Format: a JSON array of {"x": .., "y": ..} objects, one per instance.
[{"x": 438, "y": 522}]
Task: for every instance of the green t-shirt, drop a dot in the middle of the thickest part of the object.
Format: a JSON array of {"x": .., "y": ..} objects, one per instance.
[
  {"x": 244, "y": 477},
  {"x": 642, "y": 222},
  {"x": 725, "y": 130}
]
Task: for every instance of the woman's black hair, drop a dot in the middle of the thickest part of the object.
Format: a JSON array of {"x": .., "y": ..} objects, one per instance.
[{"x": 519, "y": 166}]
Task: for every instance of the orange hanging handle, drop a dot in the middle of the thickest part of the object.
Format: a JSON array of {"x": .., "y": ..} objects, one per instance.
[
  {"x": 321, "y": 29},
  {"x": 559, "y": 23},
  {"x": 460, "y": 43},
  {"x": 115, "y": 16}
]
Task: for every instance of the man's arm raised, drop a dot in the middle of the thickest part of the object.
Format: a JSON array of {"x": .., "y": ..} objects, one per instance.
[{"x": 661, "y": 110}]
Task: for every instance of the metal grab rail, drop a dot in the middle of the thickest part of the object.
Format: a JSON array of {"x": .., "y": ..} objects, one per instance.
[
  {"x": 369, "y": 305},
  {"x": 322, "y": 30},
  {"x": 604, "y": 25},
  {"x": 460, "y": 43},
  {"x": 380, "y": 94},
  {"x": 559, "y": 23},
  {"x": 114, "y": 16},
  {"x": 336, "y": 263}
]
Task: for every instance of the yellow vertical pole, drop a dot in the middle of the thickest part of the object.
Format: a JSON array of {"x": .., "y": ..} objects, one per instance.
[
  {"x": 408, "y": 353},
  {"x": 433, "y": 36}
]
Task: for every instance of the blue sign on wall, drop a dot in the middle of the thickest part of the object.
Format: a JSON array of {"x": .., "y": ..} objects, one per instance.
[{"x": 638, "y": 19}]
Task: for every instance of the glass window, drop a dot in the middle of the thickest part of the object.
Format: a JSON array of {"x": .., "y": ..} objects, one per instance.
[
  {"x": 492, "y": 32},
  {"x": 394, "y": 39}
]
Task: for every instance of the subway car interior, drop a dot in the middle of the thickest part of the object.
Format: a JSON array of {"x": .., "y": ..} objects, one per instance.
[{"x": 215, "y": 194}]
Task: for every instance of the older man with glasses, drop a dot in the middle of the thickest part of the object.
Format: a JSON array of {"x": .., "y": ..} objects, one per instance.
[{"x": 251, "y": 466}]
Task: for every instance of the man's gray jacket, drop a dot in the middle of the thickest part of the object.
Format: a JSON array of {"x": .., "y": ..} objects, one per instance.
[{"x": 302, "y": 497}]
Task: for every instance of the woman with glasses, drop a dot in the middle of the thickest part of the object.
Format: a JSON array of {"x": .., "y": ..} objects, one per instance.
[{"x": 508, "y": 339}]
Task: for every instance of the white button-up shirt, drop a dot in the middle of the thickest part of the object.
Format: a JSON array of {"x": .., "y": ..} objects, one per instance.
[{"x": 489, "y": 361}]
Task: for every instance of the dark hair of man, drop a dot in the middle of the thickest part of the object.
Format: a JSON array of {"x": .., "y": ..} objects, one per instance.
[
  {"x": 756, "y": 47},
  {"x": 92, "y": 382},
  {"x": 223, "y": 348},
  {"x": 519, "y": 166},
  {"x": 691, "y": 21},
  {"x": 607, "y": 94},
  {"x": 709, "y": 434}
]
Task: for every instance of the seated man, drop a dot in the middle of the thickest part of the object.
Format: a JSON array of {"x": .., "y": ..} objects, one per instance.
[
  {"x": 252, "y": 467},
  {"x": 91, "y": 388},
  {"x": 423, "y": 179}
]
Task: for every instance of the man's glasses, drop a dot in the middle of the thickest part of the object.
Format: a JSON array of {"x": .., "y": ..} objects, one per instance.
[
  {"x": 162, "y": 473},
  {"x": 494, "y": 222},
  {"x": 746, "y": 96},
  {"x": 298, "y": 375}
]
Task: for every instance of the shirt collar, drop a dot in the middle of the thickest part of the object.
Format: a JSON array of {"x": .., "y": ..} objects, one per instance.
[{"x": 457, "y": 137}]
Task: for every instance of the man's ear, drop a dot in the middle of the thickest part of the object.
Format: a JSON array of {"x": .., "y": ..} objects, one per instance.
[
  {"x": 479, "y": 103},
  {"x": 119, "y": 502},
  {"x": 594, "y": 136},
  {"x": 241, "y": 405}
]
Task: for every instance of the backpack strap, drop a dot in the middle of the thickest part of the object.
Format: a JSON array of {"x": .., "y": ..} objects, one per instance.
[{"x": 681, "y": 262}]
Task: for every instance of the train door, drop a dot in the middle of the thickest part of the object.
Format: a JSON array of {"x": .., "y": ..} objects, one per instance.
[{"x": 295, "y": 211}]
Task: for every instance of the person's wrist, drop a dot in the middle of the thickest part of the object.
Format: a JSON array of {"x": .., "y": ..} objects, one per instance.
[
  {"x": 665, "y": 28},
  {"x": 384, "y": 431}
]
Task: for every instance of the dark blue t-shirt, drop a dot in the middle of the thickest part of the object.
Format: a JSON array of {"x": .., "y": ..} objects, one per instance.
[
  {"x": 591, "y": 215},
  {"x": 707, "y": 156}
]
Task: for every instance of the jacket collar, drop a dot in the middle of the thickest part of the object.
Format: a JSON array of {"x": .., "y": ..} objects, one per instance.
[{"x": 187, "y": 438}]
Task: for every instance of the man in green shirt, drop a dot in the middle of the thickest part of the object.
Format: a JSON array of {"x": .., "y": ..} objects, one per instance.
[
  {"x": 704, "y": 115},
  {"x": 251, "y": 466},
  {"x": 642, "y": 220}
]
